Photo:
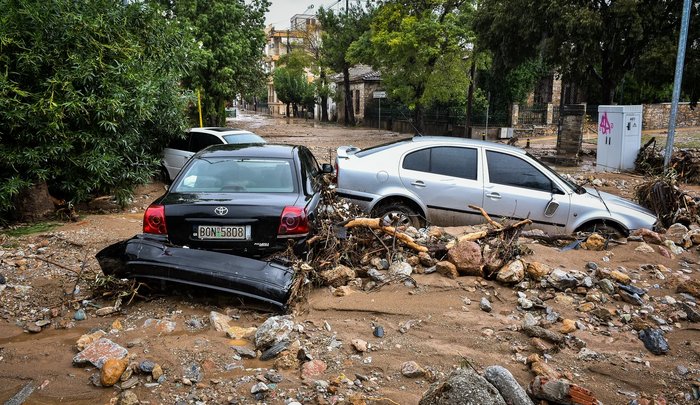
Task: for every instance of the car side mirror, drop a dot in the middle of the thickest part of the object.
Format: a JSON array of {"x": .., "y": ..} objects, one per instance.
[
  {"x": 551, "y": 208},
  {"x": 326, "y": 168}
]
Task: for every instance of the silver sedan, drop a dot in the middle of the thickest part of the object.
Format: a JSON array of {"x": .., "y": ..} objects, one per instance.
[{"x": 435, "y": 180}]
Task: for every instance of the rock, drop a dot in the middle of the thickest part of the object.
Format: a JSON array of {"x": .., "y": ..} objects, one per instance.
[
  {"x": 273, "y": 377},
  {"x": 245, "y": 352},
  {"x": 587, "y": 354},
  {"x": 506, "y": 385},
  {"x": 79, "y": 315},
  {"x": 586, "y": 307},
  {"x": 112, "y": 371},
  {"x": 274, "y": 330},
  {"x": 376, "y": 275},
  {"x": 128, "y": 397},
  {"x": 104, "y": 311},
  {"x": 359, "y": 345},
  {"x": 237, "y": 332},
  {"x": 665, "y": 253},
  {"x": 2, "y": 280},
  {"x": 337, "y": 276},
  {"x": 561, "y": 280},
  {"x": 400, "y": 269},
  {"x": 259, "y": 387},
  {"x": 485, "y": 305},
  {"x": 620, "y": 277},
  {"x": 272, "y": 351},
  {"x": 99, "y": 351},
  {"x": 447, "y": 269},
  {"x": 342, "y": 291},
  {"x": 691, "y": 238},
  {"x": 426, "y": 260},
  {"x": 542, "y": 333},
  {"x": 676, "y": 250},
  {"x": 568, "y": 326},
  {"x": 691, "y": 287},
  {"x": 33, "y": 328},
  {"x": 147, "y": 366},
  {"x": 192, "y": 373},
  {"x": 513, "y": 272},
  {"x": 607, "y": 286},
  {"x": 129, "y": 383},
  {"x": 463, "y": 386},
  {"x": 649, "y": 236},
  {"x": 525, "y": 303},
  {"x": 654, "y": 340},
  {"x": 378, "y": 331},
  {"x": 537, "y": 271},
  {"x": 691, "y": 312},
  {"x": 467, "y": 258},
  {"x": 644, "y": 248},
  {"x": 560, "y": 391},
  {"x": 676, "y": 232},
  {"x": 313, "y": 368},
  {"x": 378, "y": 263},
  {"x": 219, "y": 322},
  {"x": 160, "y": 325},
  {"x": 411, "y": 369},
  {"x": 157, "y": 372},
  {"x": 594, "y": 242}
]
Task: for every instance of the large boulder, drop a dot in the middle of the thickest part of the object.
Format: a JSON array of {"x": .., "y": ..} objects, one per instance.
[
  {"x": 274, "y": 330},
  {"x": 466, "y": 256},
  {"x": 337, "y": 276},
  {"x": 506, "y": 384},
  {"x": 463, "y": 386},
  {"x": 513, "y": 272}
]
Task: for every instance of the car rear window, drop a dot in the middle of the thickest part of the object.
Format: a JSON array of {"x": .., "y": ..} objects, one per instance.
[
  {"x": 248, "y": 137},
  {"x": 237, "y": 175},
  {"x": 379, "y": 148}
]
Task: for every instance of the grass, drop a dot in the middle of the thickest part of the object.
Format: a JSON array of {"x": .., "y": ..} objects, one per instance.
[{"x": 23, "y": 230}]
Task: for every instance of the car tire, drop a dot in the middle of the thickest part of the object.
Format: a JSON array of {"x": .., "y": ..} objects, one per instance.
[
  {"x": 609, "y": 231},
  {"x": 399, "y": 214}
]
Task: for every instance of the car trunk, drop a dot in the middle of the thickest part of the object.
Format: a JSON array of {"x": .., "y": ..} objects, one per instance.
[{"x": 187, "y": 214}]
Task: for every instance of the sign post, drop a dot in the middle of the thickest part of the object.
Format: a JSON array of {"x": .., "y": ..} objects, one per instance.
[{"x": 380, "y": 95}]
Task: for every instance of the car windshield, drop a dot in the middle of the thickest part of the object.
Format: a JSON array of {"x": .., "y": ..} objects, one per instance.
[
  {"x": 246, "y": 137},
  {"x": 236, "y": 175},
  {"x": 577, "y": 189}
]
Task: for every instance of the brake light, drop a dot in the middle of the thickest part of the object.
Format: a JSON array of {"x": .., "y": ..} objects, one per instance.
[
  {"x": 293, "y": 221},
  {"x": 154, "y": 220}
]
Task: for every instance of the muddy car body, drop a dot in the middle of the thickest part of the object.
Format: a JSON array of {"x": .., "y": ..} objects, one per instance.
[{"x": 436, "y": 179}]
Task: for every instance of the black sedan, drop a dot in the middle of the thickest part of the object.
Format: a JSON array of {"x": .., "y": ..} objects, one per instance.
[{"x": 249, "y": 200}]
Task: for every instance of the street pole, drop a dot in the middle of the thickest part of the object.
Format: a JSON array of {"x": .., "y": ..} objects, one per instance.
[
  {"x": 680, "y": 59},
  {"x": 380, "y": 114}
]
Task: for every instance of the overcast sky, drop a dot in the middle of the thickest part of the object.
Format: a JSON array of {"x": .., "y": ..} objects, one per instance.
[{"x": 282, "y": 10}]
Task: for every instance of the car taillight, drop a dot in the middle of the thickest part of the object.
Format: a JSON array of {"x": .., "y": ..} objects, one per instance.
[
  {"x": 293, "y": 221},
  {"x": 154, "y": 220}
]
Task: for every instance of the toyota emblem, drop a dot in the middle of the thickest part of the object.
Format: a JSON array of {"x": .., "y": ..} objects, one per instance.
[{"x": 220, "y": 210}]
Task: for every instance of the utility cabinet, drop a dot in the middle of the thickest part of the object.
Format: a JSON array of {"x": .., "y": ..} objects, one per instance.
[{"x": 619, "y": 137}]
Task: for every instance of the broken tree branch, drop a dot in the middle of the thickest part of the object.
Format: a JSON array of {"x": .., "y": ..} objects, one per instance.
[{"x": 485, "y": 215}]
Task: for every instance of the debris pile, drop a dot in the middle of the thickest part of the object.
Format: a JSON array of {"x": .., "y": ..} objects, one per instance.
[{"x": 663, "y": 196}]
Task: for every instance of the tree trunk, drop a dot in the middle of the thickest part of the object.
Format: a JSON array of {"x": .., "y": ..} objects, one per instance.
[
  {"x": 295, "y": 110},
  {"x": 470, "y": 100},
  {"x": 34, "y": 203},
  {"x": 349, "y": 111},
  {"x": 324, "y": 99},
  {"x": 287, "y": 110}
]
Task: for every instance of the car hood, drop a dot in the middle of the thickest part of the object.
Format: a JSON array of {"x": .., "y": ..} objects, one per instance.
[{"x": 616, "y": 202}]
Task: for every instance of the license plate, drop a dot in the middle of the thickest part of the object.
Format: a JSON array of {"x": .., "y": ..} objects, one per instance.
[{"x": 223, "y": 232}]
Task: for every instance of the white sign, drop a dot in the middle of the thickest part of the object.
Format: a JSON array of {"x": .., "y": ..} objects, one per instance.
[{"x": 379, "y": 94}]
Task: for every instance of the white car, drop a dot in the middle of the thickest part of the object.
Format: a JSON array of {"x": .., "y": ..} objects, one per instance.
[
  {"x": 181, "y": 150},
  {"x": 435, "y": 180}
]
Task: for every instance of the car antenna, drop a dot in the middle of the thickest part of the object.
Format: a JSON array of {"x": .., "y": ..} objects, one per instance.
[{"x": 418, "y": 133}]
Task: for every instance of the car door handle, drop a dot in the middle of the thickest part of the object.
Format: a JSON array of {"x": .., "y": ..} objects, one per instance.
[
  {"x": 494, "y": 196},
  {"x": 418, "y": 183}
]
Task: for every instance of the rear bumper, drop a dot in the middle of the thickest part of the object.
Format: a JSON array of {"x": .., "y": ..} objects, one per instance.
[{"x": 145, "y": 258}]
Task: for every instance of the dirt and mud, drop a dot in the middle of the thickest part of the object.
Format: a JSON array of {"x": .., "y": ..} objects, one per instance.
[{"x": 437, "y": 324}]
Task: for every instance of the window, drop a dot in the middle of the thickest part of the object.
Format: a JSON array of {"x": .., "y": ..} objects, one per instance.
[
  {"x": 238, "y": 175},
  {"x": 357, "y": 101},
  {"x": 514, "y": 171},
  {"x": 444, "y": 160},
  {"x": 199, "y": 141}
]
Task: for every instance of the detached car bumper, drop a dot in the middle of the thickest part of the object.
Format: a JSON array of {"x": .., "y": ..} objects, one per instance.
[{"x": 144, "y": 258}]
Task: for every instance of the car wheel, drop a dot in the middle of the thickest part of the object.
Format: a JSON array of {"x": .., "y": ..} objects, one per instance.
[
  {"x": 609, "y": 231},
  {"x": 398, "y": 214}
]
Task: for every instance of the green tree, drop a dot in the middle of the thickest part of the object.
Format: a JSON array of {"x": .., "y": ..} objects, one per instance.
[
  {"x": 421, "y": 49},
  {"x": 231, "y": 38},
  {"x": 89, "y": 93},
  {"x": 595, "y": 40},
  {"x": 293, "y": 89},
  {"x": 340, "y": 30}
]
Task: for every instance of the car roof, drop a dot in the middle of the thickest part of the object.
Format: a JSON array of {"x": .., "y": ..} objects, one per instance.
[
  {"x": 220, "y": 131},
  {"x": 466, "y": 142},
  {"x": 250, "y": 150}
]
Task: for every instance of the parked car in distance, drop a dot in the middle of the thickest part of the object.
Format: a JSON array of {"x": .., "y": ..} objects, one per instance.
[
  {"x": 435, "y": 179},
  {"x": 180, "y": 150},
  {"x": 244, "y": 199}
]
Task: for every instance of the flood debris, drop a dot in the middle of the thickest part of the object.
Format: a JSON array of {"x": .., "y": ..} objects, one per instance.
[{"x": 139, "y": 257}]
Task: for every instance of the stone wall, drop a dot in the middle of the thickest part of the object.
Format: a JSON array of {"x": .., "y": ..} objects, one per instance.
[
  {"x": 572, "y": 120},
  {"x": 656, "y": 116}
]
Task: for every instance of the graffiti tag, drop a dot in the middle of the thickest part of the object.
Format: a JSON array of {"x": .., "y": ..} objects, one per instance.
[{"x": 605, "y": 125}]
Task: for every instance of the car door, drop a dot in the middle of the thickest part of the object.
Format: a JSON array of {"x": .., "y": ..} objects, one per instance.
[
  {"x": 515, "y": 188},
  {"x": 447, "y": 180}
]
